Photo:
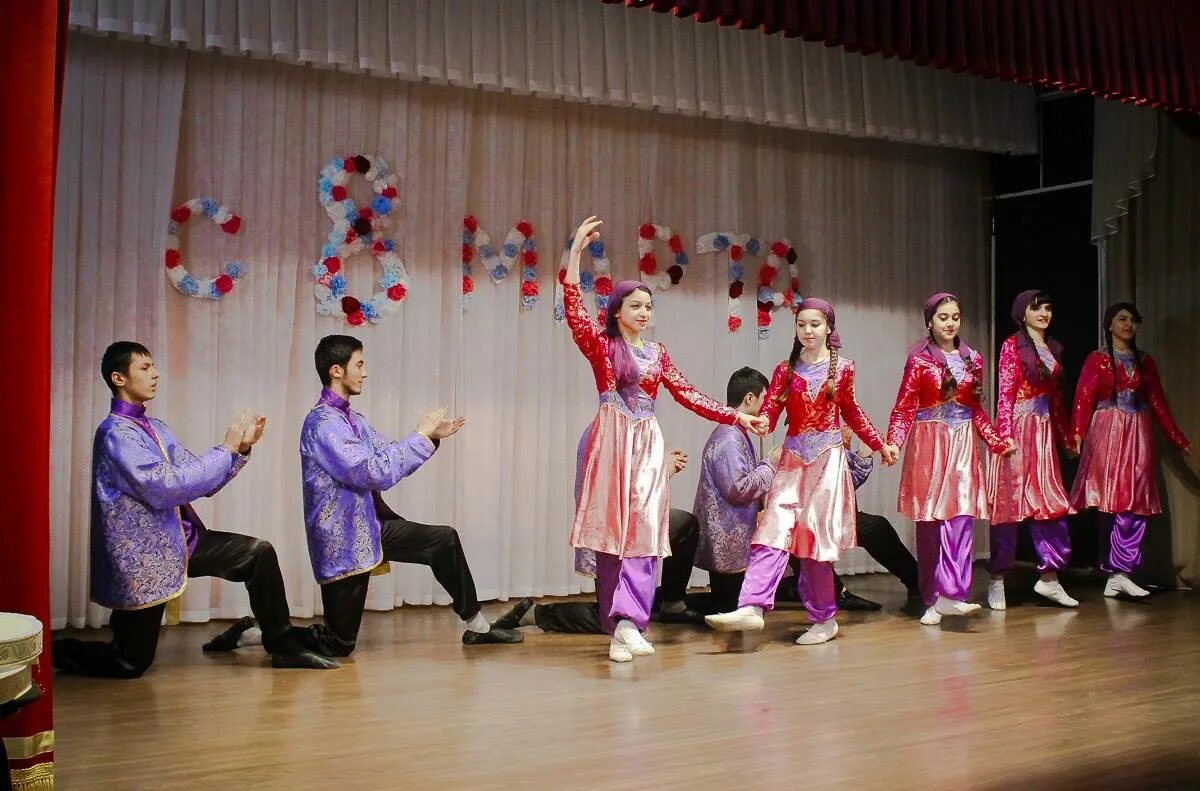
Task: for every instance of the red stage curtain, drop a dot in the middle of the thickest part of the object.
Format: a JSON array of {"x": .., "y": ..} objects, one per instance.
[
  {"x": 32, "y": 38},
  {"x": 1142, "y": 51}
]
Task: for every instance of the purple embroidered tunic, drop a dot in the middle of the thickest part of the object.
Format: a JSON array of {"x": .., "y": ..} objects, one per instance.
[
  {"x": 728, "y": 498},
  {"x": 143, "y": 527},
  {"x": 343, "y": 462}
]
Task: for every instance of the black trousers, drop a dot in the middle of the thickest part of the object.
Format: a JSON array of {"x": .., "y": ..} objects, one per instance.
[
  {"x": 584, "y": 617},
  {"x": 435, "y": 546},
  {"x": 227, "y": 556},
  {"x": 875, "y": 534}
]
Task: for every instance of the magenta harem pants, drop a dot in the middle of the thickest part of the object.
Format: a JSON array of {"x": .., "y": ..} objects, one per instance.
[
  {"x": 625, "y": 590},
  {"x": 1125, "y": 542},
  {"x": 944, "y": 550},
  {"x": 765, "y": 571},
  {"x": 1050, "y": 538}
]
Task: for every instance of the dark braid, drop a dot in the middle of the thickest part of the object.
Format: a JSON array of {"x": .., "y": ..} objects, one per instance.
[
  {"x": 830, "y": 381},
  {"x": 949, "y": 383},
  {"x": 977, "y": 380},
  {"x": 793, "y": 359}
]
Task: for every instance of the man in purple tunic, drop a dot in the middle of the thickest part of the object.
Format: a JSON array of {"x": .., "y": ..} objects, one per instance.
[
  {"x": 345, "y": 465},
  {"x": 147, "y": 540}
]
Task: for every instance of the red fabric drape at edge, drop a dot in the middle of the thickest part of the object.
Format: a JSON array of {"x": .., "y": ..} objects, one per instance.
[
  {"x": 32, "y": 41},
  {"x": 1141, "y": 51}
]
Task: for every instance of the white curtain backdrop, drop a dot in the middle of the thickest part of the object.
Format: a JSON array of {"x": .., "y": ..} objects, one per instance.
[
  {"x": 878, "y": 226},
  {"x": 587, "y": 51}
]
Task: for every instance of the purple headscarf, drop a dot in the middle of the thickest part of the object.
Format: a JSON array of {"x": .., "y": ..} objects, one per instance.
[
  {"x": 1031, "y": 364},
  {"x": 624, "y": 366},
  {"x": 927, "y": 346},
  {"x": 815, "y": 303}
]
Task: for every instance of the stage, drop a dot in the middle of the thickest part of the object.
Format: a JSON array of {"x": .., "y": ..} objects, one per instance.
[{"x": 1035, "y": 697}]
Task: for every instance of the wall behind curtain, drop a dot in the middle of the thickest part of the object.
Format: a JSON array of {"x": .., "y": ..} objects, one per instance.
[{"x": 878, "y": 226}]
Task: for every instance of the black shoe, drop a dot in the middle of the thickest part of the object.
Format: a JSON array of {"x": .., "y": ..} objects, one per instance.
[
  {"x": 493, "y": 635},
  {"x": 62, "y": 655},
  {"x": 849, "y": 601},
  {"x": 914, "y": 604},
  {"x": 512, "y": 618},
  {"x": 228, "y": 639},
  {"x": 685, "y": 616},
  {"x": 305, "y": 660}
]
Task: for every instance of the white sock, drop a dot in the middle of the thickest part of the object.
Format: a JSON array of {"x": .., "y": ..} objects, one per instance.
[
  {"x": 627, "y": 631},
  {"x": 673, "y": 606},
  {"x": 528, "y": 618},
  {"x": 478, "y": 623}
]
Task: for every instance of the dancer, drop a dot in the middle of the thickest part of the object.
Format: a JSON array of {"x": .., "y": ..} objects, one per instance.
[
  {"x": 351, "y": 531},
  {"x": 1027, "y": 486},
  {"x": 1116, "y": 469},
  {"x": 941, "y": 481},
  {"x": 147, "y": 540},
  {"x": 623, "y": 508},
  {"x": 810, "y": 507},
  {"x": 729, "y": 495}
]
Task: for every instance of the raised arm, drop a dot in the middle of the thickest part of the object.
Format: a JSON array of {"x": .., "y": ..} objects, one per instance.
[
  {"x": 689, "y": 397},
  {"x": 151, "y": 477},
  {"x": 366, "y": 463}
]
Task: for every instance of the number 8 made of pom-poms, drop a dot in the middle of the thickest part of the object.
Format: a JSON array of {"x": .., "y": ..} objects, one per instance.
[{"x": 357, "y": 229}]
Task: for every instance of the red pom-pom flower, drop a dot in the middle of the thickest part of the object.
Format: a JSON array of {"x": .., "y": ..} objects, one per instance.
[
  {"x": 397, "y": 292},
  {"x": 646, "y": 231}
]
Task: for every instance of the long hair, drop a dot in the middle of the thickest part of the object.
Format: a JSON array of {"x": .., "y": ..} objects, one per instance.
[{"x": 1032, "y": 365}]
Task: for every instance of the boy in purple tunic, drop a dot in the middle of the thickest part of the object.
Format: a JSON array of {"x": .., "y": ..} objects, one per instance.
[
  {"x": 147, "y": 540},
  {"x": 345, "y": 465}
]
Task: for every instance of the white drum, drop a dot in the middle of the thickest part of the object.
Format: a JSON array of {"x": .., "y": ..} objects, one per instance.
[{"x": 20, "y": 638}]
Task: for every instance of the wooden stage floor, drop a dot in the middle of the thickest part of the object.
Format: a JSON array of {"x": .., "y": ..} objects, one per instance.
[{"x": 1104, "y": 697}]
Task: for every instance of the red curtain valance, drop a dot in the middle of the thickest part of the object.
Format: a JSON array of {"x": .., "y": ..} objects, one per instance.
[{"x": 1140, "y": 51}]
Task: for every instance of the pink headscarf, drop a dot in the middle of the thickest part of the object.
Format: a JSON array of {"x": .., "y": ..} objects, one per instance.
[
  {"x": 816, "y": 303},
  {"x": 927, "y": 346}
]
